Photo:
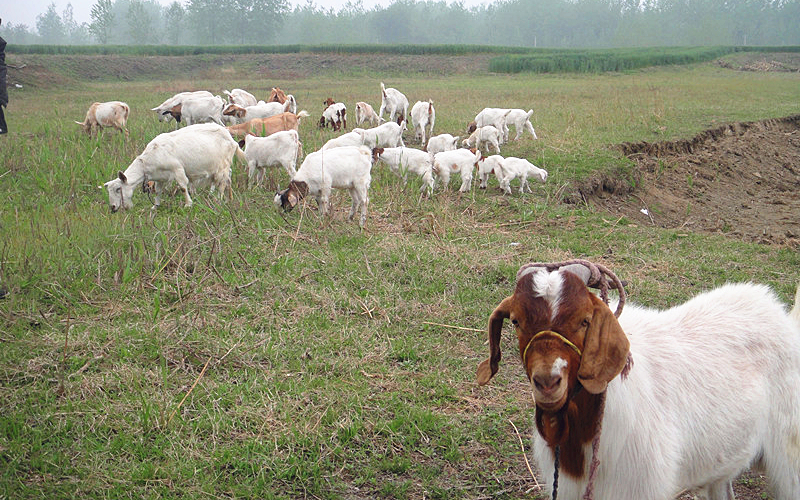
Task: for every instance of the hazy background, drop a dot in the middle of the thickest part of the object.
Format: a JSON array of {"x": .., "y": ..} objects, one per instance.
[{"x": 528, "y": 23}]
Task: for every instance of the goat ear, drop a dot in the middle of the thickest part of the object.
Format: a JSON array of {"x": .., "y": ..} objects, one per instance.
[
  {"x": 122, "y": 177},
  {"x": 489, "y": 367},
  {"x": 605, "y": 349}
]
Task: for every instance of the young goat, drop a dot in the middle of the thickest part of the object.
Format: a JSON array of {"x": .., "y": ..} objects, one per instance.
[
  {"x": 423, "y": 115},
  {"x": 281, "y": 148},
  {"x": 394, "y": 102},
  {"x": 488, "y": 135},
  {"x": 403, "y": 160},
  {"x": 388, "y": 135},
  {"x": 490, "y": 165},
  {"x": 441, "y": 142},
  {"x": 342, "y": 168},
  {"x": 713, "y": 387},
  {"x": 521, "y": 120},
  {"x": 458, "y": 160},
  {"x": 365, "y": 114},
  {"x": 522, "y": 169}
]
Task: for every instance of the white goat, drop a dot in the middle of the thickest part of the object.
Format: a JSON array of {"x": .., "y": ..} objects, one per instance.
[
  {"x": 281, "y": 148},
  {"x": 713, "y": 387},
  {"x": 342, "y": 168},
  {"x": 162, "y": 110},
  {"x": 365, "y": 114},
  {"x": 495, "y": 117},
  {"x": 403, "y": 160},
  {"x": 462, "y": 161},
  {"x": 388, "y": 135},
  {"x": 191, "y": 156},
  {"x": 522, "y": 169},
  {"x": 202, "y": 110},
  {"x": 423, "y": 115},
  {"x": 106, "y": 114},
  {"x": 262, "y": 109},
  {"x": 441, "y": 142},
  {"x": 352, "y": 138},
  {"x": 521, "y": 120},
  {"x": 490, "y": 165},
  {"x": 488, "y": 135},
  {"x": 393, "y": 102},
  {"x": 336, "y": 115},
  {"x": 241, "y": 98}
]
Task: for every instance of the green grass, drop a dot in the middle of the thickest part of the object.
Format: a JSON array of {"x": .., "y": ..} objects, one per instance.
[{"x": 327, "y": 371}]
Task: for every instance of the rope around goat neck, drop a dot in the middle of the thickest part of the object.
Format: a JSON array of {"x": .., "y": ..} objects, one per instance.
[{"x": 599, "y": 279}]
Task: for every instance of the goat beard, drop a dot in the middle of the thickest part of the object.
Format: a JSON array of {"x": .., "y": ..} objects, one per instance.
[{"x": 553, "y": 426}]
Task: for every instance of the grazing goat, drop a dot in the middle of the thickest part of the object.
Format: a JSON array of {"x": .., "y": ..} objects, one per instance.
[
  {"x": 191, "y": 156},
  {"x": 352, "y": 138},
  {"x": 342, "y": 168},
  {"x": 707, "y": 389},
  {"x": 277, "y": 95},
  {"x": 388, "y": 135},
  {"x": 487, "y": 166},
  {"x": 495, "y": 117},
  {"x": 522, "y": 169},
  {"x": 281, "y": 148},
  {"x": 163, "y": 108},
  {"x": 462, "y": 161},
  {"x": 335, "y": 115},
  {"x": 263, "y": 127},
  {"x": 106, "y": 114},
  {"x": 241, "y": 98},
  {"x": 521, "y": 120},
  {"x": 423, "y": 115},
  {"x": 441, "y": 142},
  {"x": 394, "y": 102},
  {"x": 365, "y": 114},
  {"x": 488, "y": 135},
  {"x": 403, "y": 160},
  {"x": 263, "y": 109},
  {"x": 196, "y": 110}
]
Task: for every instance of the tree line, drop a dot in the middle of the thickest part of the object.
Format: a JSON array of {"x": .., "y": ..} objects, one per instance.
[{"x": 524, "y": 23}]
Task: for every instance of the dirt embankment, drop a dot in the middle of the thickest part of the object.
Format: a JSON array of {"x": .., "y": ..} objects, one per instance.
[{"x": 740, "y": 179}]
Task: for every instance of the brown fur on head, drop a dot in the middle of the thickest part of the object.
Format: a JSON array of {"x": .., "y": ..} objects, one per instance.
[
  {"x": 328, "y": 102},
  {"x": 472, "y": 127},
  {"x": 277, "y": 95},
  {"x": 376, "y": 152},
  {"x": 175, "y": 111},
  {"x": 291, "y": 196},
  {"x": 234, "y": 110},
  {"x": 400, "y": 118}
]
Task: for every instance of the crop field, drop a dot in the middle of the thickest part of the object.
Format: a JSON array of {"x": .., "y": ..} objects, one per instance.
[{"x": 229, "y": 350}]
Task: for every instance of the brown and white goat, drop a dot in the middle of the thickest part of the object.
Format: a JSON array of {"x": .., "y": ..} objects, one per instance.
[
  {"x": 277, "y": 95},
  {"x": 715, "y": 388},
  {"x": 262, "y": 127},
  {"x": 106, "y": 114}
]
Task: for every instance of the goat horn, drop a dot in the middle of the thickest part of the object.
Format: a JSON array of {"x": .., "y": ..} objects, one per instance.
[{"x": 580, "y": 270}]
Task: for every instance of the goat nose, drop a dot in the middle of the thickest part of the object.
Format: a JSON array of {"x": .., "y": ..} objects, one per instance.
[{"x": 546, "y": 383}]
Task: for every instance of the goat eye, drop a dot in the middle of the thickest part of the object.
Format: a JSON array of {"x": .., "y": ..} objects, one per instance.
[
  {"x": 585, "y": 323},
  {"x": 515, "y": 322}
]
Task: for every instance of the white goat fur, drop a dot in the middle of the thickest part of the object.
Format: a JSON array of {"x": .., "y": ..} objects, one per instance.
[
  {"x": 521, "y": 120},
  {"x": 496, "y": 117},
  {"x": 459, "y": 160},
  {"x": 403, "y": 160},
  {"x": 714, "y": 389},
  {"x": 423, "y": 115},
  {"x": 488, "y": 135},
  {"x": 202, "y": 110},
  {"x": 388, "y": 135},
  {"x": 241, "y": 114},
  {"x": 441, "y": 142},
  {"x": 522, "y": 169},
  {"x": 281, "y": 148},
  {"x": 393, "y": 101},
  {"x": 347, "y": 167},
  {"x": 106, "y": 114},
  {"x": 174, "y": 101},
  {"x": 352, "y": 138},
  {"x": 487, "y": 166},
  {"x": 366, "y": 114},
  {"x": 241, "y": 98},
  {"x": 191, "y": 156}
]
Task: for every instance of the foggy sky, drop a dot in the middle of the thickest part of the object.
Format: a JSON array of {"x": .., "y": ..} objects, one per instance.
[{"x": 26, "y": 11}]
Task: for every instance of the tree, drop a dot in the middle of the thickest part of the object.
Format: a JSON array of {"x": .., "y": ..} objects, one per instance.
[
  {"x": 102, "y": 21},
  {"x": 140, "y": 24},
  {"x": 50, "y": 27},
  {"x": 174, "y": 20}
]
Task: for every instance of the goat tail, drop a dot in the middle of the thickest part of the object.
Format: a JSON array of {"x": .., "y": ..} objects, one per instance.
[
  {"x": 795, "y": 312},
  {"x": 240, "y": 155}
]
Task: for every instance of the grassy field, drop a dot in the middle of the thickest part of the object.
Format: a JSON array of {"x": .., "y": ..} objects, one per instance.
[{"x": 229, "y": 351}]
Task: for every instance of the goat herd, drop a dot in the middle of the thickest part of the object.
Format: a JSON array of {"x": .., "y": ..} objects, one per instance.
[{"x": 265, "y": 134}]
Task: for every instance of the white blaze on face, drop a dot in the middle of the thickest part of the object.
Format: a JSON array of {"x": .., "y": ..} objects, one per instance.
[
  {"x": 548, "y": 286},
  {"x": 558, "y": 365}
]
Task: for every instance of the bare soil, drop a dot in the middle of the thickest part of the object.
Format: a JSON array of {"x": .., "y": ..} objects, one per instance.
[{"x": 740, "y": 179}]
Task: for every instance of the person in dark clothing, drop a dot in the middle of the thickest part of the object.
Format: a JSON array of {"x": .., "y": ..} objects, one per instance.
[{"x": 3, "y": 89}]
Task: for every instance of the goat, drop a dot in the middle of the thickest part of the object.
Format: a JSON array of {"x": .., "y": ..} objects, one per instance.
[
  {"x": 495, "y": 117},
  {"x": 241, "y": 98},
  {"x": 388, "y": 135},
  {"x": 342, "y": 168},
  {"x": 462, "y": 161},
  {"x": 162, "y": 110},
  {"x": 488, "y": 135},
  {"x": 423, "y": 115},
  {"x": 190, "y": 156},
  {"x": 403, "y": 160},
  {"x": 106, "y": 114},
  {"x": 365, "y": 113},
  {"x": 521, "y": 120},
  {"x": 196, "y": 110},
  {"x": 441, "y": 142},
  {"x": 263, "y": 127},
  {"x": 281, "y": 148},
  {"x": 277, "y": 95},
  {"x": 262, "y": 109},
  {"x": 352, "y": 138},
  {"x": 393, "y": 101},
  {"x": 335, "y": 114},
  {"x": 713, "y": 387},
  {"x": 522, "y": 169},
  {"x": 487, "y": 166}
]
